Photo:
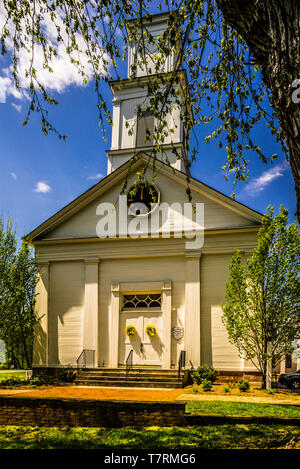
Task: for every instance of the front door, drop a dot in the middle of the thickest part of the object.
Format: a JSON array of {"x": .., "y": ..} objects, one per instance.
[{"x": 146, "y": 350}]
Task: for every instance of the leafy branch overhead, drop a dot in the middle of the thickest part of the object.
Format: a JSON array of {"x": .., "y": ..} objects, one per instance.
[{"x": 238, "y": 56}]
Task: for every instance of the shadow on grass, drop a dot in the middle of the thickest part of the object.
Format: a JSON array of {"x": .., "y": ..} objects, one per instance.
[{"x": 219, "y": 437}]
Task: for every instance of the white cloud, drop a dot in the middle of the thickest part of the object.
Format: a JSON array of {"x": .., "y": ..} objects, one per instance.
[
  {"x": 257, "y": 185},
  {"x": 18, "y": 107},
  {"x": 42, "y": 187},
  {"x": 13, "y": 175},
  {"x": 64, "y": 72},
  {"x": 97, "y": 176}
]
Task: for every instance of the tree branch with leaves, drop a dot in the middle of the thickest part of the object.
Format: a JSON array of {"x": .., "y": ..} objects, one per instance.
[{"x": 262, "y": 301}]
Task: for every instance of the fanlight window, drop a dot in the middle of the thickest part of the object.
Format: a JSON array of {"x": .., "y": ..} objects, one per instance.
[{"x": 134, "y": 301}]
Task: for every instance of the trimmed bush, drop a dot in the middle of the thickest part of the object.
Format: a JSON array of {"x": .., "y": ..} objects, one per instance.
[
  {"x": 67, "y": 375},
  {"x": 226, "y": 389},
  {"x": 243, "y": 385},
  {"x": 205, "y": 372},
  {"x": 206, "y": 385}
]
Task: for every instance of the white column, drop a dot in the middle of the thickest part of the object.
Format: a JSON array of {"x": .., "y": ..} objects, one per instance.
[
  {"x": 91, "y": 313},
  {"x": 115, "y": 137},
  {"x": 114, "y": 325},
  {"x": 41, "y": 336},
  {"x": 166, "y": 312},
  {"x": 192, "y": 308}
]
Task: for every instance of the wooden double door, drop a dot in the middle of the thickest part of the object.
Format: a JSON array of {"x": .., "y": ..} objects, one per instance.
[{"x": 146, "y": 350}]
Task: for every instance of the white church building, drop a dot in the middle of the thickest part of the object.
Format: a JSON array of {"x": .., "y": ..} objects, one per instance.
[{"x": 122, "y": 277}]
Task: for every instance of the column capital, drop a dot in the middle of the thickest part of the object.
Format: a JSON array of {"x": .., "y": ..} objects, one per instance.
[
  {"x": 192, "y": 254},
  {"x": 95, "y": 260}
]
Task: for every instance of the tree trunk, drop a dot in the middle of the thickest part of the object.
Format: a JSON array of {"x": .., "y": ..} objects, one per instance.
[{"x": 271, "y": 28}]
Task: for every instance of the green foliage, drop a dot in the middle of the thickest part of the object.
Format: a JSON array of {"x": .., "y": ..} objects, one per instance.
[
  {"x": 262, "y": 295},
  {"x": 225, "y": 89},
  {"x": 254, "y": 409},
  {"x": 253, "y": 436},
  {"x": 226, "y": 389},
  {"x": 194, "y": 389},
  {"x": 41, "y": 380},
  {"x": 205, "y": 372},
  {"x": 206, "y": 385},
  {"x": 18, "y": 278},
  {"x": 67, "y": 375},
  {"x": 243, "y": 385},
  {"x": 13, "y": 381}
]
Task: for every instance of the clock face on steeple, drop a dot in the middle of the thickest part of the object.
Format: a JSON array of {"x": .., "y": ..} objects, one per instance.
[{"x": 141, "y": 197}]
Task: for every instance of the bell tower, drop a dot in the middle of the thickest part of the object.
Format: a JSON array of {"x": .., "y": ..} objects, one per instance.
[{"x": 133, "y": 122}]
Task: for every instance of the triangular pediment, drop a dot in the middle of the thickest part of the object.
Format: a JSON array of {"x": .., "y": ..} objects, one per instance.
[{"x": 78, "y": 220}]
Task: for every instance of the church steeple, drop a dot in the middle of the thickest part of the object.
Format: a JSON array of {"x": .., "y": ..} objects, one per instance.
[{"x": 133, "y": 120}]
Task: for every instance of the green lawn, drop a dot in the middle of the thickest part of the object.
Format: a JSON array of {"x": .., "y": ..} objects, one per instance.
[
  {"x": 242, "y": 408},
  {"x": 218, "y": 437},
  {"x": 11, "y": 374}
]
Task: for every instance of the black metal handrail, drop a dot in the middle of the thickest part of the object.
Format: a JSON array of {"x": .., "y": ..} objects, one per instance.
[
  {"x": 192, "y": 366},
  {"x": 181, "y": 362},
  {"x": 86, "y": 359},
  {"x": 129, "y": 362}
]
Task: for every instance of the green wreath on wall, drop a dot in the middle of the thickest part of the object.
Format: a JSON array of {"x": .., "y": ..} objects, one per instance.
[
  {"x": 130, "y": 330},
  {"x": 151, "y": 330}
]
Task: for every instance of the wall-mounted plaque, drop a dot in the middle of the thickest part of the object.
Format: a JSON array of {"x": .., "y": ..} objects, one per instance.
[{"x": 177, "y": 332}]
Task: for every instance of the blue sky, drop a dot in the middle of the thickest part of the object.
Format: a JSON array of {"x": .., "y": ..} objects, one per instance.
[{"x": 39, "y": 174}]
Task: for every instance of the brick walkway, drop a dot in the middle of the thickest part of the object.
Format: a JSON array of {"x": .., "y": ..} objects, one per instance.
[{"x": 76, "y": 392}]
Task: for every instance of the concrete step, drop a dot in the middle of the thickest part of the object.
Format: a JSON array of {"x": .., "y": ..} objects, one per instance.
[
  {"x": 132, "y": 378},
  {"x": 123, "y": 370},
  {"x": 137, "y": 377},
  {"x": 145, "y": 375}
]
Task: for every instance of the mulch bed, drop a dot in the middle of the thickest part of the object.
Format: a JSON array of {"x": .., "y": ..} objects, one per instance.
[{"x": 76, "y": 392}]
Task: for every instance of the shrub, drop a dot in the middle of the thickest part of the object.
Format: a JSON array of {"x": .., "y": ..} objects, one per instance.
[
  {"x": 195, "y": 389},
  {"x": 13, "y": 381},
  {"x": 205, "y": 372},
  {"x": 206, "y": 385},
  {"x": 243, "y": 385},
  {"x": 67, "y": 375},
  {"x": 226, "y": 389},
  {"x": 270, "y": 391},
  {"x": 41, "y": 380}
]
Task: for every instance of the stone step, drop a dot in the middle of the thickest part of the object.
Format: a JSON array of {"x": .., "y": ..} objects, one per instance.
[
  {"x": 146, "y": 375},
  {"x": 123, "y": 370},
  {"x": 136, "y": 377},
  {"x": 128, "y": 383}
]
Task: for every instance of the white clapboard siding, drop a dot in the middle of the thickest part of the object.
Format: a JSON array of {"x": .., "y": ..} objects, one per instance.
[
  {"x": 216, "y": 349},
  {"x": 66, "y": 312}
]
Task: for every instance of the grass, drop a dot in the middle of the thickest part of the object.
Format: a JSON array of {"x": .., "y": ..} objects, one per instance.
[
  {"x": 242, "y": 408},
  {"x": 208, "y": 437},
  {"x": 11, "y": 374}
]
